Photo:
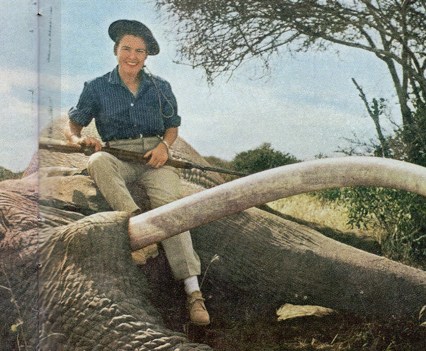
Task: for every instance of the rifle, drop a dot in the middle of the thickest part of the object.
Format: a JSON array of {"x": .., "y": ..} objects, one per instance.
[{"x": 125, "y": 155}]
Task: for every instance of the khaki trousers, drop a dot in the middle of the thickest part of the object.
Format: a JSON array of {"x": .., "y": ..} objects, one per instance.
[{"x": 162, "y": 185}]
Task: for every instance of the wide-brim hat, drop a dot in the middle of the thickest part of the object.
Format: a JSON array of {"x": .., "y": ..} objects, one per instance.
[{"x": 122, "y": 27}]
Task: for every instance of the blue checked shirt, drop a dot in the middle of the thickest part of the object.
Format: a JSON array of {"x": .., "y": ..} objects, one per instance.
[{"x": 119, "y": 114}]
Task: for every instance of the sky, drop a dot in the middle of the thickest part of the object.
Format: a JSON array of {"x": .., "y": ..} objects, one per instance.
[{"x": 305, "y": 106}]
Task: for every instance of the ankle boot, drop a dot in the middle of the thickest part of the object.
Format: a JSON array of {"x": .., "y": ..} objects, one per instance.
[{"x": 197, "y": 310}]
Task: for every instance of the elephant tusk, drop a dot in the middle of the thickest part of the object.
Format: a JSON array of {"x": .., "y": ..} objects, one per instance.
[{"x": 241, "y": 194}]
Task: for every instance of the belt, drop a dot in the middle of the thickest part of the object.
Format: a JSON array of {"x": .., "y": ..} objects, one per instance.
[{"x": 138, "y": 136}]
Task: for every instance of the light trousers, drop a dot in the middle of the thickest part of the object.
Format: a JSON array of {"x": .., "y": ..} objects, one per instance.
[{"x": 162, "y": 186}]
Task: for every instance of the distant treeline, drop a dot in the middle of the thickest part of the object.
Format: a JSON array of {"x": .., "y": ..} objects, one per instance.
[{"x": 6, "y": 174}]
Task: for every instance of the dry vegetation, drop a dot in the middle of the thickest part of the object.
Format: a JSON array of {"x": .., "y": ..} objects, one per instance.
[
  {"x": 328, "y": 218},
  {"x": 310, "y": 209}
]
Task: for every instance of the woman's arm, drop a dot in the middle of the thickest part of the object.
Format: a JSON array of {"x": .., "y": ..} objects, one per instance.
[
  {"x": 158, "y": 156},
  {"x": 170, "y": 136},
  {"x": 73, "y": 135}
]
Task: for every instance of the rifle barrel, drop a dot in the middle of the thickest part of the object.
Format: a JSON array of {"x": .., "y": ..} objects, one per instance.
[{"x": 125, "y": 155}]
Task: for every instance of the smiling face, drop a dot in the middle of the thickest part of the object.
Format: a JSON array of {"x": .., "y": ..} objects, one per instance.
[{"x": 131, "y": 52}]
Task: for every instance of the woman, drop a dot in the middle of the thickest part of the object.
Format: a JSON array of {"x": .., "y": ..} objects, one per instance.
[{"x": 136, "y": 111}]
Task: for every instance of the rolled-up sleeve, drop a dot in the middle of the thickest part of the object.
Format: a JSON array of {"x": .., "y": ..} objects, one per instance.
[
  {"x": 171, "y": 118},
  {"x": 86, "y": 108}
]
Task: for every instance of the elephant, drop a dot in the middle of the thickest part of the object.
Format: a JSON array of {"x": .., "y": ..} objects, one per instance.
[{"x": 68, "y": 281}]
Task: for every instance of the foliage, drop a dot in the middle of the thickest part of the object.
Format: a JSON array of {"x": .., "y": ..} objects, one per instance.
[
  {"x": 261, "y": 158},
  {"x": 218, "y": 162},
  {"x": 401, "y": 214},
  {"x": 6, "y": 174},
  {"x": 375, "y": 110},
  {"x": 398, "y": 217},
  {"x": 219, "y": 35},
  {"x": 411, "y": 141}
]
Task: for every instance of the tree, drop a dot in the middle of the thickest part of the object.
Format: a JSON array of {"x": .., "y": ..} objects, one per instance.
[
  {"x": 375, "y": 111},
  {"x": 413, "y": 137},
  {"x": 261, "y": 158},
  {"x": 219, "y": 35}
]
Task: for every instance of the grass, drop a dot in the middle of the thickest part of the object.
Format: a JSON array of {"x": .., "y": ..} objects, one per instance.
[
  {"x": 18, "y": 327},
  {"x": 310, "y": 209},
  {"x": 328, "y": 218}
]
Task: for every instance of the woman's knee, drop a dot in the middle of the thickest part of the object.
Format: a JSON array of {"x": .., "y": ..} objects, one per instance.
[
  {"x": 99, "y": 161},
  {"x": 162, "y": 196}
]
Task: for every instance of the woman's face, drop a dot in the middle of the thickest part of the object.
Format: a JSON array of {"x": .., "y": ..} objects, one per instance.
[{"x": 131, "y": 54}]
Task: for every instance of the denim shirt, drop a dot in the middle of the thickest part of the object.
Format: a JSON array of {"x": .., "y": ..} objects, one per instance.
[{"x": 119, "y": 114}]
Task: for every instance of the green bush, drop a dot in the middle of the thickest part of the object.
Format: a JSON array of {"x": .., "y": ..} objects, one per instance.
[
  {"x": 261, "y": 158},
  {"x": 400, "y": 215}
]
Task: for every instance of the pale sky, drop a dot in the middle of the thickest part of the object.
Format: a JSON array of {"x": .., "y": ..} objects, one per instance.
[{"x": 304, "y": 107}]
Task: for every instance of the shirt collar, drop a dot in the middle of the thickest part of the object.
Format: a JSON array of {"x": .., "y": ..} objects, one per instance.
[{"x": 114, "y": 77}]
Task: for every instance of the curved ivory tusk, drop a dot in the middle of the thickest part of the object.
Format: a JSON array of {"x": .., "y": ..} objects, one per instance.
[{"x": 238, "y": 195}]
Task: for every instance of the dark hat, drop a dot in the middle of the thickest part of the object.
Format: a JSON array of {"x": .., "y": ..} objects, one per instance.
[{"x": 122, "y": 27}]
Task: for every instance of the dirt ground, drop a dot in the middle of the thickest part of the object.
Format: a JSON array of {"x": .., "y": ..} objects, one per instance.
[{"x": 337, "y": 332}]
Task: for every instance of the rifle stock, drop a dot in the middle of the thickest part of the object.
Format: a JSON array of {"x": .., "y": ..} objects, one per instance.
[{"x": 125, "y": 155}]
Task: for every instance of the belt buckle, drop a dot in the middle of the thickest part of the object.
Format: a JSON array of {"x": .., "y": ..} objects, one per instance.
[{"x": 137, "y": 136}]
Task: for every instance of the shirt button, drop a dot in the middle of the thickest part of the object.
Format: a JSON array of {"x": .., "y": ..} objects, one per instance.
[{"x": 132, "y": 104}]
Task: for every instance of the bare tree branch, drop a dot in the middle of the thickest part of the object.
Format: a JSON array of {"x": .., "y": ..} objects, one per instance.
[{"x": 219, "y": 35}]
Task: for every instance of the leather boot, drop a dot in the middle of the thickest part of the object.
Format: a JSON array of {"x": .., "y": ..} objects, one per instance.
[{"x": 197, "y": 310}]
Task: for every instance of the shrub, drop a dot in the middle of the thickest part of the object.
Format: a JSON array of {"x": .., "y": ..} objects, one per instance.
[
  {"x": 401, "y": 214},
  {"x": 261, "y": 158},
  {"x": 6, "y": 174}
]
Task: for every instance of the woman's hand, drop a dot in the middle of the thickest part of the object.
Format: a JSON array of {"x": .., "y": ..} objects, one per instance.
[
  {"x": 158, "y": 156},
  {"x": 73, "y": 135},
  {"x": 90, "y": 142}
]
